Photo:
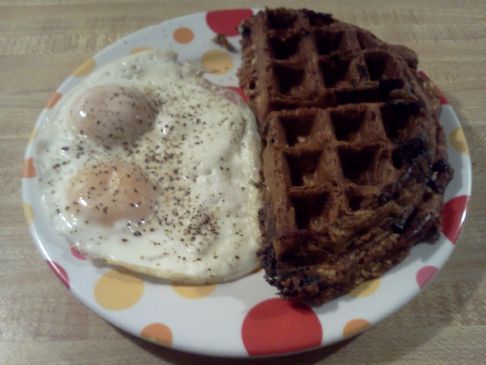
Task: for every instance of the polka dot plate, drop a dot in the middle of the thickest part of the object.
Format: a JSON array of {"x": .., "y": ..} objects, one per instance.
[{"x": 244, "y": 317}]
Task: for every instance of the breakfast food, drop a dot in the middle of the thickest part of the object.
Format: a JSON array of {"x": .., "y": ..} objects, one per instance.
[
  {"x": 354, "y": 159},
  {"x": 146, "y": 165},
  {"x": 222, "y": 41}
]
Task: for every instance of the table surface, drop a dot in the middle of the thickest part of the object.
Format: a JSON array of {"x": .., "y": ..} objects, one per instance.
[{"x": 42, "y": 41}]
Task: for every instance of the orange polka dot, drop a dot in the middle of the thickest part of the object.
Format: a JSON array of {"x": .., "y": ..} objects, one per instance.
[
  {"x": 140, "y": 49},
  {"x": 217, "y": 61},
  {"x": 118, "y": 290},
  {"x": 28, "y": 212},
  {"x": 183, "y": 35},
  {"x": 33, "y": 134},
  {"x": 158, "y": 333},
  {"x": 365, "y": 289},
  {"x": 29, "y": 168},
  {"x": 355, "y": 326},
  {"x": 87, "y": 67},
  {"x": 193, "y": 291},
  {"x": 53, "y": 100},
  {"x": 458, "y": 140}
]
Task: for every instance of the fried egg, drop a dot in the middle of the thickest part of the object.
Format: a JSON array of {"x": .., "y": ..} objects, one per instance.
[{"x": 146, "y": 165}]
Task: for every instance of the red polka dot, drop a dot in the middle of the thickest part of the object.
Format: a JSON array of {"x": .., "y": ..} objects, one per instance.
[
  {"x": 29, "y": 168},
  {"x": 53, "y": 100},
  {"x": 60, "y": 272},
  {"x": 277, "y": 326},
  {"x": 423, "y": 75},
  {"x": 453, "y": 215},
  {"x": 240, "y": 92},
  {"x": 425, "y": 274},
  {"x": 75, "y": 252},
  {"x": 227, "y": 21},
  {"x": 440, "y": 94}
]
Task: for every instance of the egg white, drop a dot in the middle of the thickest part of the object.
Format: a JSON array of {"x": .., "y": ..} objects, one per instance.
[{"x": 202, "y": 156}]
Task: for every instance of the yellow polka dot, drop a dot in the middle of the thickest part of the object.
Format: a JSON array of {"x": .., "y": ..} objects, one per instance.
[
  {"x": 29, "y": 213},
  {"x": 217, "y": 61},
  {"x": 193, "y": 291},
  {"x": 355, "y": 326},
  {"x": 183, "y": 35},
  {"x": 458, "y": 140},
  {"x": 53, "y": 100},
  {"x": 140, "y": 49},
  {"x": 365, "y": 289},
  {"x": 29, "y": 168},
  {"x": 33, "y": 134},
  {"x": 85, "y": 68},
  {"x": 158, "y": 333},
  {"x": 118, "y": 290}
]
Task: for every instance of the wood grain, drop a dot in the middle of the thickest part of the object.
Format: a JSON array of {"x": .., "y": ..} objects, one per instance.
[{"x": 42, "y": 41}]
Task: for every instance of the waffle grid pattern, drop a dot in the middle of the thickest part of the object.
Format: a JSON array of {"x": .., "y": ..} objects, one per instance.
[
  {"x": 329, "y": 168},
  {"x": 328, "y": 164},
  {"x": 345, "y": 124}
]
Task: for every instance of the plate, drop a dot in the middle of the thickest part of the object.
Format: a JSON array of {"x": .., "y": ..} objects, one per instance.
[{"x": 244, "y": 317}]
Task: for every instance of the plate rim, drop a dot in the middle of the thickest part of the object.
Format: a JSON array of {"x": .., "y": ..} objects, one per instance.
[{"x": 234, "y": 353}]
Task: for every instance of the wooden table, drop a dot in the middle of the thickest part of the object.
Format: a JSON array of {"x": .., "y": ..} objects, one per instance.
[{"x": 42, "y": 41}]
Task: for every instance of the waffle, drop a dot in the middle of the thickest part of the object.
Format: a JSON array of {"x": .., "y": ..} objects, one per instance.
[{"x": 354, "y": 159}]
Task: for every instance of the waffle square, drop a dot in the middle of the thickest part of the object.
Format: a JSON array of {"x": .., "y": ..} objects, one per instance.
[{"x": 354, "y": 159}]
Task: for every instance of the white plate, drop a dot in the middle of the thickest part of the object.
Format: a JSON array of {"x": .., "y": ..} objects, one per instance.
[{"x": 245, "y": 317}]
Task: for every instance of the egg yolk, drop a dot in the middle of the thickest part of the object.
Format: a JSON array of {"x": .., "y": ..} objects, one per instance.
[
  {"x": 111, "y": 114},
  {"x": 111, "y": 191}
]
